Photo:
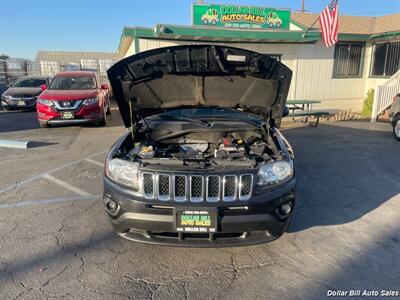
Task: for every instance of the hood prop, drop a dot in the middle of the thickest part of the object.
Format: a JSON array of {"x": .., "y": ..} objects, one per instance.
[{"x": 133, "y": 121}]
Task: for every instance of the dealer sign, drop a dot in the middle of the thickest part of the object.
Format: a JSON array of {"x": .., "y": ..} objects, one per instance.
[{"x": 245, "y": 17}]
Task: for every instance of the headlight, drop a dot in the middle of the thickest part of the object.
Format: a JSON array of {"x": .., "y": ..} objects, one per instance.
[
  {"x": 5, "y": 97},
  {"x": 123, "y": 171},
  {"x": 276, "y": 172},
  {"x": 90, "y": 101},
  {"x": 44, "y": 102}
]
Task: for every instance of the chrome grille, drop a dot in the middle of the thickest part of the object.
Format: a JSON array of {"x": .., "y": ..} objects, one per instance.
[
  {"x": 245, "y": 186},
  {"x": 148, "y": 185},
  {"x": 229, "y": 188},
  {"x": 66, "y": 105},
  {"x": 180, "y": 188},
  {"x": 164, "y": 187},
  {"x": 213, "y": 188},
  {"x": 197, "y": 188}
]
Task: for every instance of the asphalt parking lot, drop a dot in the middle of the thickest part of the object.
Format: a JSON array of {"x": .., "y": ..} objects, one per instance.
[{"x": 56, "y": 242}]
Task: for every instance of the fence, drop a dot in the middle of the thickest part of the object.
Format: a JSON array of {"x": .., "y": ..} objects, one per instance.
[
  {"x": 50, "y": 68},
  {"x": 384, "y": 94}
]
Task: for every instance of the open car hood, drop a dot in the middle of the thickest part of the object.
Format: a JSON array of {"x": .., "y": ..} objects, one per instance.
[{"x": 199, "y": 75}]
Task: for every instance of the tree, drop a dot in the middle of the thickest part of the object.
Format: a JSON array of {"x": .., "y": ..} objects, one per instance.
[{"x": 4, "y": 56}]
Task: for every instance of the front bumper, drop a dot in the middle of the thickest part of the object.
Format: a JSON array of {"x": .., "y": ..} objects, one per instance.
[
  {"x": 239, "y": 223},
  {"x": 84, "y": 114},
  {"x": 68, "y": 121},
  {"x": 14, "y": 105}
]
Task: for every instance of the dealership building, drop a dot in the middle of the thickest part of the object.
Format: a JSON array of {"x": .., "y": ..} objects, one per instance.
[{"x": 366, "y": 56}]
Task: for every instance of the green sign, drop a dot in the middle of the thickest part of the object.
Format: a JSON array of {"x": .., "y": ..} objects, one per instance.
[{"x": 243, "y": 17}]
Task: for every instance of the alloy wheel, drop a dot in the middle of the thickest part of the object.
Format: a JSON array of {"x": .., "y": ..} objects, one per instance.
[{"x": 397, "y": 128}]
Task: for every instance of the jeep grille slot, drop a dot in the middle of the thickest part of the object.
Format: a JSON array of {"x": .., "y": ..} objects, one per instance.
[
  {"x": 213, "y": 188},
  {"x": 164, "y": 187},
  {"x": 180, "y": 188},
  {"x": 229, "y": 188},
  {"x": 148, "y": 185},
  {"x": 197, "y": 188},
  {"x": 245, "y": 186}
]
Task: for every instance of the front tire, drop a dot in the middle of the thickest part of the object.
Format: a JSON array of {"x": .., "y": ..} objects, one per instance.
[
  {"x": 396, "y": 128},
  {"x": 108, "y": 112},
  {"x": 103, "y": 121}
]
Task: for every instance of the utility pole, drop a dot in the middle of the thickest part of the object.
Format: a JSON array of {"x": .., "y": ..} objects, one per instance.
[{"x": 302, "y": 5}]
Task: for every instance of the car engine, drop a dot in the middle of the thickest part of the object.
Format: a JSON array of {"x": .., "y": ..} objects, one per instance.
[{"x": 200, "y": 147}]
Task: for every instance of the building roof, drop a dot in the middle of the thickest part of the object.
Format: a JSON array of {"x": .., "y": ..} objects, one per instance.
[
  {"x": 66, "y": 57},
  {"x": 211, "y": 34},
  {"x": 388, "y": 23},
  {"x": 351, "y": 28},
  {"x": 354, "y": 24}
]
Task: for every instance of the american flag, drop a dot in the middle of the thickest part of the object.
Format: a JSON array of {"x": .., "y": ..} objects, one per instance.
[{"x": 328, "y": 21}]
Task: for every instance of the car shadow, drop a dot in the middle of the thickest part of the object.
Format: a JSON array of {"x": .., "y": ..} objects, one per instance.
[
  {"x": 18, "y": 120},
  {"x": 342, "y": 172},
  {"x": 37, "y": 144}
]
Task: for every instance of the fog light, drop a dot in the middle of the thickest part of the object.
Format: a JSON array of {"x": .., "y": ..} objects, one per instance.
[
  {"x": 112, "y": 206},
  {"x": 286, "y": 208}
]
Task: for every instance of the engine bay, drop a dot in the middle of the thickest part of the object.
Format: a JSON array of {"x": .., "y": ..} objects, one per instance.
[{"x": 200, "y": 146}]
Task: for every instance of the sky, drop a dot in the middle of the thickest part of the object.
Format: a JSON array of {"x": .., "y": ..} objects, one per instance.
[{"x": 27, "y": 26}]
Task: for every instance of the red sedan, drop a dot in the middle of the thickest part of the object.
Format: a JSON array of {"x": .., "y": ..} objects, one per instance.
[{"x": 74, "y": 98}]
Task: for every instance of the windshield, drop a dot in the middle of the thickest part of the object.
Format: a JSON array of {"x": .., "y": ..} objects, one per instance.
[
  {"x": 208, "y": 113},
  {"x": 30, "y": 83},
  {"x": 73, "y": 83}
]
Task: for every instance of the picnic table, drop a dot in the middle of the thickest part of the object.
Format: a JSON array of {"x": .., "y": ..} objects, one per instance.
[
  {"x": 304, "y": 108},
  {"x": 304, "y": 105}
]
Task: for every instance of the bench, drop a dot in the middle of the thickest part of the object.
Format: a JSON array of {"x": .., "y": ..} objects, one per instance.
[{"x": 315, "y": 114}]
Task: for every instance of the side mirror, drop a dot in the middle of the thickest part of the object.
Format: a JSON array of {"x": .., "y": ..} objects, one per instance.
[
  {"x": 104, "y": 86},
  {"x": 43, "y": 87},
  {"x": 285, "y": 111}
]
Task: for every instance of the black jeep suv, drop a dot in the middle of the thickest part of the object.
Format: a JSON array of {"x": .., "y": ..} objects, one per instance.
[{"x": 203, "y": 163}]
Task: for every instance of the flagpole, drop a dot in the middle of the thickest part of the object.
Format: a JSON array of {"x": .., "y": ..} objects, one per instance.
[{"x": 308, "y": 29}]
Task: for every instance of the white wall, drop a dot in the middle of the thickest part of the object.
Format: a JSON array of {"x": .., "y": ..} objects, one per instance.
[
  {"x": 312, "y": 66},
  {"x": 131, "y": 50}
]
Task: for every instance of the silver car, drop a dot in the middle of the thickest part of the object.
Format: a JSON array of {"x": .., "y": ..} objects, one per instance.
[{"x": 394, "y": 116}]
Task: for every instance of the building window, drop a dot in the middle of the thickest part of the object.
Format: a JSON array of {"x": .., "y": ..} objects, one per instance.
[
  {"x": 348, "y": 59},
  {"x": 385, "y": 59}
]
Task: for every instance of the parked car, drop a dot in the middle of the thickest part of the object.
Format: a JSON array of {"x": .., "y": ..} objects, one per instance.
[
  {"x": 24, "y": 92},
  {"x": 3, "y": 87},
  {"x": 75, "y": 97},
  {"x": 203, "y": 163},
  {"x": 394, "y": 116}
]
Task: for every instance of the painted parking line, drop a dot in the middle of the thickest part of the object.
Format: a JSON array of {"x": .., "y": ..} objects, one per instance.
[
  {"x": 51, "y": 201},
  {"x": 32, "y": 178},
  {"x": 66, "y": 185},
  {"x": 94, "y": 162}
]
